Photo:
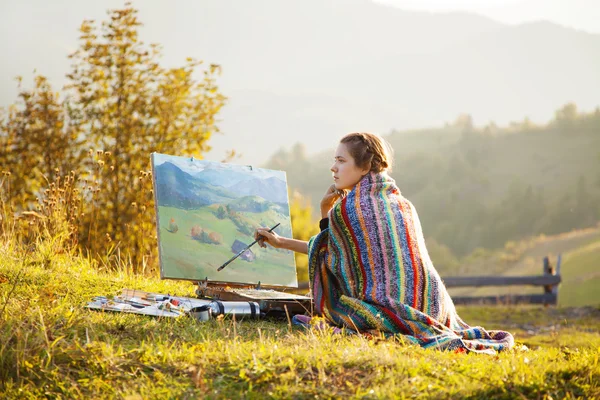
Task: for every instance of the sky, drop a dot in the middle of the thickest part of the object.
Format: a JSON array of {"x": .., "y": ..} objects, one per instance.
[{"x": 578, "y": 14}]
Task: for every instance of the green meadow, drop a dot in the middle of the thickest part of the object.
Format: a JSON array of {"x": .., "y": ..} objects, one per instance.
[
  {"x": 52, "y": 347},
  {"x": 187, "y": 258}
]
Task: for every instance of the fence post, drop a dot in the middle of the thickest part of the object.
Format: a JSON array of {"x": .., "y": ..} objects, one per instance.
[
  {"x": 555, "y": 287},
  {"x": 551, "y": 290}
]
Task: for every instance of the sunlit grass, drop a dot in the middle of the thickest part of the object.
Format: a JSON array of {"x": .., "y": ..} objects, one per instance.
[{"x": 53, "y": 347}]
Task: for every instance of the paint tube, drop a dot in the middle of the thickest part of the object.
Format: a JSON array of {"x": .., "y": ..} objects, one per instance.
[{"x": 241, "y": 309}]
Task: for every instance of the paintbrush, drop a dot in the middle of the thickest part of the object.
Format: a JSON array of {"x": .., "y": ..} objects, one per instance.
[{"x": 242, "y": 251}]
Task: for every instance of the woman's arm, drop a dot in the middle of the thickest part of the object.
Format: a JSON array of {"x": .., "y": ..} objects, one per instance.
[
  {"x": 299, "y": 246},
  {"x": 264, "y": 236}
]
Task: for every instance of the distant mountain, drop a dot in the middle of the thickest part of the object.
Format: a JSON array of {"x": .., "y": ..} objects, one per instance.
[
  {"x": 312, "y": 70},
  {"x": 173, "y": 187},
  {"x": 321, "y": 76},
  {"x": 484, "y": 186},
  {"x": 271, "y": 189},
  {"x": 179, "y": 189},
  {"x": 255, "y": 204},
  {"x": 176, "y": 187},
  {"x": 220, "y": 177}
]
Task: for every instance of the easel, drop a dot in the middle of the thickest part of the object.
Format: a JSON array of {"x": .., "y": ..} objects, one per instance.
[{"x": 271, "y": 301}]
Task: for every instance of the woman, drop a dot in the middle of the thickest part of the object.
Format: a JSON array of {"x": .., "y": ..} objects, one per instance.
[{"x": 369, "y": 268}]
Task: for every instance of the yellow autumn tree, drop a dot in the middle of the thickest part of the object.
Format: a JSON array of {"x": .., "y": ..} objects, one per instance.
[
  {"x": 119, "y": 106},
  {"x": 128, "y": 106},
  {"x": 36, "y": 143},
  {"x": 304, "y": 226}
]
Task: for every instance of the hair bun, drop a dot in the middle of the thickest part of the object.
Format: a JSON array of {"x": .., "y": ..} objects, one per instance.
[{"x": 369, "y": 150}]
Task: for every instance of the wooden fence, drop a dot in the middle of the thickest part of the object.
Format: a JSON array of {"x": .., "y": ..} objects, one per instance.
[{"x": 549, "y": 280}]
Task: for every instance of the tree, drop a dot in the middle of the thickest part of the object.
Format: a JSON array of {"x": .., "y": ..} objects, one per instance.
[
  {"x": 215, "y": 238},
  {"x": 221, "y": 214},
  {"x": 584, "y": 214},
  {"x": 129, "y": 106},
  {"x": 566, "y": 117},
  {"x": 35, "y": 142},
  {"x": 464, "y": 122},
  {"x": 303, "y": 227},
  {"x": 567, "y": 113},
  {"x": 196, "y": 232},
  {"x": 279, "y": 160}
]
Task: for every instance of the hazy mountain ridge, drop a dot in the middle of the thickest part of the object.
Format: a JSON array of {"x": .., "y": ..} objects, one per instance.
[
  {"x": 316, "y": 69},
  {"x": 219, "y": 177},
  {"x": 483, "y": 186},
  {"x": 271, "y": 189},
  {"x": 176, "y": 187}
]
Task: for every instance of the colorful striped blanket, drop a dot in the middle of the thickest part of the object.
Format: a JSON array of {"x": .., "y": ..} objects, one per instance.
[{"x": 370, "y": 270}]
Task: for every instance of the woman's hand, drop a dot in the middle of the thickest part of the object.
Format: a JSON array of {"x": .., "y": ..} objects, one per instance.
[
  {"x": 329, "y": 198},
  {"x": 264, "y": 236}
]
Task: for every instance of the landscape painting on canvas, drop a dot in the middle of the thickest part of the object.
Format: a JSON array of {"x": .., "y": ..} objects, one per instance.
[{"x": 207, "y": 212}]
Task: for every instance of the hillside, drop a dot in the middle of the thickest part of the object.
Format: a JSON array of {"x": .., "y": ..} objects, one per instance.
[
  {"x": 580, "y": 267},
  {"x": 480, "y": 187},
  {"x": 175, "y": 187}
]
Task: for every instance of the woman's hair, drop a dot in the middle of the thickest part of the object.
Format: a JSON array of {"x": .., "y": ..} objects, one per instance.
[{"x": 369, "y": 151}]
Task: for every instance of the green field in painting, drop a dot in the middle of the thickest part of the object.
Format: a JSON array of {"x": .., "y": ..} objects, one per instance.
[{"x": 185, "y": 258}]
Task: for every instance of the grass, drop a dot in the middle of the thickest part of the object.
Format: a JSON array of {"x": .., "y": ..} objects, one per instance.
[
  {"x": 581, "y": 276},
  {"x": 53, "y": 347}
]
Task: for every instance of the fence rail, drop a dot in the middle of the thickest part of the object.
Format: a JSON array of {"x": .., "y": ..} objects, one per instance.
[
  {"x": 549, "y": 280},
  {"x": 479, "y": 281}
]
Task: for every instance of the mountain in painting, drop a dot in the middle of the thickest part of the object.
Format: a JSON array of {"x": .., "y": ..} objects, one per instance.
[
  {"x": 271, "y": 189},
  {"x": 221, "y": 177},
  {"x": 177, "y": 188}
]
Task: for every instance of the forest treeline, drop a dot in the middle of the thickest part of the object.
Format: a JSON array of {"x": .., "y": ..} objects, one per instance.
[{"x": 477, "y": 188}]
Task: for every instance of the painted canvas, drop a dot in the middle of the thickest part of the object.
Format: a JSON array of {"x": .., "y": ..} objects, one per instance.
[{"x": 207, "y": 212}]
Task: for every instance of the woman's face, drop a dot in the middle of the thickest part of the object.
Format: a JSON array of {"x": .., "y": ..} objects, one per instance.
[{"x": 345, "y": 172}]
